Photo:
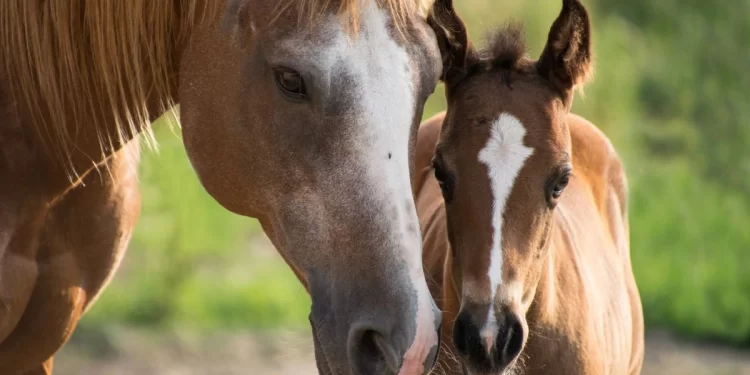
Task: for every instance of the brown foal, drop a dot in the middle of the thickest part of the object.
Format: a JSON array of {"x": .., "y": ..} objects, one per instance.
[{"x": 523, "y": 211}]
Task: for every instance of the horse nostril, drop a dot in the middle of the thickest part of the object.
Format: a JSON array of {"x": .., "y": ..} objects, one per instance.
[{"x": 373, "y": 354}]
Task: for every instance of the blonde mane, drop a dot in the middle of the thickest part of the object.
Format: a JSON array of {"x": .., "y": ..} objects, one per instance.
[
  {"x": 56, "y": 52},
  {"x": 400, "y": 10}
]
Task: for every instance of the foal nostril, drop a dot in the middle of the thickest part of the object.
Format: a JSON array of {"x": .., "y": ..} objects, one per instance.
[
  {"x": 491, "y": 349},
  {"x": 468, "y": 342},
  {"x": 372, "y": 354},
  {"x": 510, "y": 340}
]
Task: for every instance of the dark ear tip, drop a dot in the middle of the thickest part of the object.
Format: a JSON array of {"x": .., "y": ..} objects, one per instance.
[
  {"x": 574, "y": 6},
  {"x": 574, "y": 9},
  {"x": 569, "y": 36},
  {"x": 453, "y": 41}
]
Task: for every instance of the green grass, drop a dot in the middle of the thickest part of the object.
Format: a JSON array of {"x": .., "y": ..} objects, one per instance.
[
  {"x": 190, "y": 263},
  {"x": 690, "y": 247}
]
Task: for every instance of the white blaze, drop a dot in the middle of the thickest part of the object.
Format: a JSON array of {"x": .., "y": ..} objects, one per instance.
[
  {"x": 504, "y": 155},
  {"x": 383, "y": 103},
  {"x": 389, "y": 105}
]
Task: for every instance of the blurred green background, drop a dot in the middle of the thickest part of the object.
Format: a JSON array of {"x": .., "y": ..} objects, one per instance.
[{"x": 671, "y": 90}]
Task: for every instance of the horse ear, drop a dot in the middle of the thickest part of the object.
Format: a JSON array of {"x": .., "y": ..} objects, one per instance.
[
  {"x": 567, "y": 60},
  {"x": 453, "y": 39}
]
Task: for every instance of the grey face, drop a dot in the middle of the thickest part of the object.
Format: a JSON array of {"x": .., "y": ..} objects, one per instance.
[{"x": 312, "y": 132}]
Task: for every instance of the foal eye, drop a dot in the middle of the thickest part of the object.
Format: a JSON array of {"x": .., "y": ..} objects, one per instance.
[
  {"x": 444, "y": 181},
  {"x": 558, "y": 185},
  {"x": 290, "y": 83}
]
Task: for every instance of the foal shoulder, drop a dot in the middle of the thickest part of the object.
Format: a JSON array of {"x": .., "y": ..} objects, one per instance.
[
  {"x": 430, "y": 209},
  {"x": 597, "y": 161}
]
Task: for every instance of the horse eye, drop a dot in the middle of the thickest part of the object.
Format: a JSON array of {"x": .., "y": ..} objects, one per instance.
[{"x": 291, "y": 84}]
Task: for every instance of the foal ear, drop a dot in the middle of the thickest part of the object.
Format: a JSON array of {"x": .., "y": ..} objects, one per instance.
[
  {"x": 453, "y": 39},
  {"x": 566, "y": 60}
]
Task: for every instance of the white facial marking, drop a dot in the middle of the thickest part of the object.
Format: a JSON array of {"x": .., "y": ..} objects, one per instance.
[
  {"x": 388, "y": 107},
  {"x": 383, "y": 104},
  {"x": 504, "y": 155}
]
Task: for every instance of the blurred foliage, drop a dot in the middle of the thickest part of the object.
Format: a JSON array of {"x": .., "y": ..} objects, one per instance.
[
  {"x": 671, "y": 91},
  {"x": 189, "y": 263}
]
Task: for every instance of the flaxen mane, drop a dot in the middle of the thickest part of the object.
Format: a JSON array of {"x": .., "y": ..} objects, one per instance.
[
  {"x": 55, "y": 51},
  {"x": 400, "y": 10}
]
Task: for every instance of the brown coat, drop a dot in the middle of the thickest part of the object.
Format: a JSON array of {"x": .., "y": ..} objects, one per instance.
[{"x": 586, "y": 316}]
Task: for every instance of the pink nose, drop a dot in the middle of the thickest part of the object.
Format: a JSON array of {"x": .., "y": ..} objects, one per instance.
[{"x": 489, "y": 342}]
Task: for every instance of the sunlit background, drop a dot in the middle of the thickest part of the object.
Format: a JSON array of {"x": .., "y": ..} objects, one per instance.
[{"x": 201, "y": 291}]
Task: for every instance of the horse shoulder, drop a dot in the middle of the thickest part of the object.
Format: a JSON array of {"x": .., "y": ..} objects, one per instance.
[{"x": 81, "y": 242}]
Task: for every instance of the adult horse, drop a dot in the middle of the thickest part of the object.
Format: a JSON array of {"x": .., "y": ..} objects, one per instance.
[
  {"x": 523, "y": 209},
  {"x": 302, "y": 114}
]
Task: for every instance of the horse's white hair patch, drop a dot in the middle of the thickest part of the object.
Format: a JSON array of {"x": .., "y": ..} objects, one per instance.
[
  {"x": 383, "y": 101},
  {"x": 504, "y": 155}
]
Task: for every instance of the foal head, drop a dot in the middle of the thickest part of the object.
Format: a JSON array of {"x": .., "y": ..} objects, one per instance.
[
  {"x": 503, "y": 160},
  {"x": 304, "y": 115}
]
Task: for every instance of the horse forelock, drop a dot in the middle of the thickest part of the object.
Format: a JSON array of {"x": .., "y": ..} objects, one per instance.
[
  {"x": 69, "y": 59},
  {"x": 309, "y": 11}
]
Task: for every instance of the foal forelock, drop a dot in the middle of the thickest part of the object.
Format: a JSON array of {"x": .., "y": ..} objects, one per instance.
[{"x": 504, "y": 155}]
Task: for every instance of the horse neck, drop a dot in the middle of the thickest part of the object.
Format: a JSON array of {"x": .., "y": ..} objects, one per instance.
[
  {"x": 277, "y": 240},
  {"x": 105, "y": 92},
  {"x": 106, "y": 116}
]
